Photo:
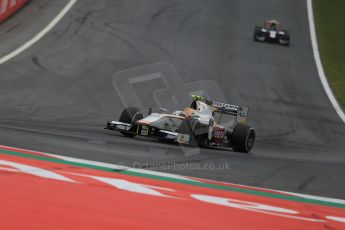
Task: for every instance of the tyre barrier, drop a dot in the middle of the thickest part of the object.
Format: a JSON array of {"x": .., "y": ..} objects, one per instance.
[{"x": 9, "y": 7}]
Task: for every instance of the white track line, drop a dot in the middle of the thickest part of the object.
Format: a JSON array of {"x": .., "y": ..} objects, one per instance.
[
  {"x": 318, "y": 62},
  {"x": 40, "y": 35}
]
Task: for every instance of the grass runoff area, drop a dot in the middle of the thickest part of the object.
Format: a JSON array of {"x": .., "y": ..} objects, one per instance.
[{"x": 330, "y": 26}]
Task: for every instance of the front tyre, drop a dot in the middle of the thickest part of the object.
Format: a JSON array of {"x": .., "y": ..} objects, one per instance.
[
  {"x": 258, "y": 35},
  {"x": 129, "y": 116},
  {"x": 285, "y": 40},
  {"x": 243, "y": 138}
]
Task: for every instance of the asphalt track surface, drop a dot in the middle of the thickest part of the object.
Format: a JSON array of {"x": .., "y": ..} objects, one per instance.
[{"x": 57, "y": 95}]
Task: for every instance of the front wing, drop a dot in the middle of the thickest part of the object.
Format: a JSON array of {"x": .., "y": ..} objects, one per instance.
[{"x": 148, "y": 131}]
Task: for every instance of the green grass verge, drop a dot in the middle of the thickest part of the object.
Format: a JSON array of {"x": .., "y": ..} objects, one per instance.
[{"x": 330, "y": 26}]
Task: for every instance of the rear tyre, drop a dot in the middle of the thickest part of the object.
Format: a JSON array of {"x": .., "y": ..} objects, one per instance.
[
  {"x": 130, "y": 115},
  {"x": 243, "y": 138}
]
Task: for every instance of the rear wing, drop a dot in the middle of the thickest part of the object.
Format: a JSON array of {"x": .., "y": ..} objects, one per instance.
[
  {"x": 226, "y": 108},
  {"x": 240, "y": 112},
  {"x": 268, "y": 24}
]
